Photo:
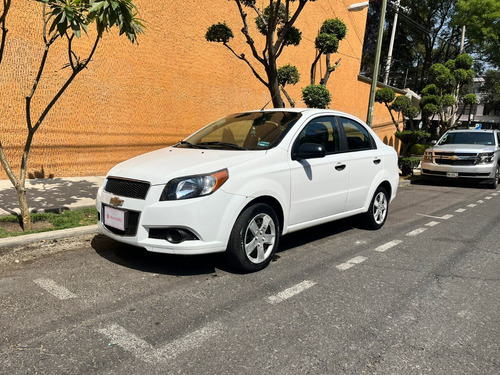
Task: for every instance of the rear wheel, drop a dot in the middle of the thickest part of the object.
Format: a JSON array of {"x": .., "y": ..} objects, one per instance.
[
  {"x": 379, "y": 207},
  {"x": 254, "y": 238}
]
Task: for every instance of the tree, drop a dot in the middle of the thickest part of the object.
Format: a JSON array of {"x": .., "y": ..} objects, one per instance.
[
  {"x": 64, "y": 20},
  {"x": 483, "y": 29},
  {"x": 491, "y": 91},
  {"x": 276, "y": 24},
  {"x": 400, "y": 105},
  {"x": 327, "y": 42},
  {"x": 448, "y": 82}
]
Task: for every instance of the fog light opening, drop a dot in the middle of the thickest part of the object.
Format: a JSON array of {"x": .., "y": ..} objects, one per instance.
[{"x": 174, "y": 236}]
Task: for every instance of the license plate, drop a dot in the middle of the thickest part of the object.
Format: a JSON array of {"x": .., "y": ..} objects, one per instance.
[
  {"x": 452, "y": 174},
  {"x": 114, "y": 218}
]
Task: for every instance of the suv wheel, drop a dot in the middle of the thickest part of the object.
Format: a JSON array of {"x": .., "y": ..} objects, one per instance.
[{"x": 494, "y": 183}]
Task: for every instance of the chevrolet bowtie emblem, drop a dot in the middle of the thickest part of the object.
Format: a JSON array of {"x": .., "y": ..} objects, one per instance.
[{"x": 115, "y": 201}]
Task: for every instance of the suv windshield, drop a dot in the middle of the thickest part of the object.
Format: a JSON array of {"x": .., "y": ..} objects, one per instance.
[
  {"x": 244, "y": 131},
  {"x": 473, "y": 138}
]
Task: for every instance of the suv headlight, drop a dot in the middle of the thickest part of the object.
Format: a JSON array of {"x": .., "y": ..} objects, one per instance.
[
  {"x": 485, "y": 157},
  {"x": 427, "y": 156},
  {"x": 194, "y": 186}
]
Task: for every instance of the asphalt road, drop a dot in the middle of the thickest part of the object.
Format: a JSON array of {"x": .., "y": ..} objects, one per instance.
[{"x": 419, "y": 296}]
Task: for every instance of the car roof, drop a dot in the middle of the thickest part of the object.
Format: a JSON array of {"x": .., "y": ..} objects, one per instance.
[
  {"x": 302, "y": 110},
  {"x": 472, "y": 131}
]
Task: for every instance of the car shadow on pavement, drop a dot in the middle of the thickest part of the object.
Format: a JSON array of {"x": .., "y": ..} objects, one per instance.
[
  {"x": 140, "y": 259},
  {"x": 436, "y": 181}
]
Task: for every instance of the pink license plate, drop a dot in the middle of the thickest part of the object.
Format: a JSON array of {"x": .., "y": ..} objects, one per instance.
[{"x": 114, "y": 218}]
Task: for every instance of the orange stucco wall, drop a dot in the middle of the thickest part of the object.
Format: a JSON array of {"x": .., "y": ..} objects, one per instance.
[{"x": 136, "y": 98}]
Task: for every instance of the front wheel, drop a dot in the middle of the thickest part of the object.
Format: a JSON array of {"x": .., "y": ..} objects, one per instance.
[
  {"x": 379, "y": 207},
  {"x": 254, "y": 238},
  {"x": 494, "y": 183}
]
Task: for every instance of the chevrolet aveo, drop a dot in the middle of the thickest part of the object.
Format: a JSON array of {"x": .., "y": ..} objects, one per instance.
[{"x": 240, "y": 183}]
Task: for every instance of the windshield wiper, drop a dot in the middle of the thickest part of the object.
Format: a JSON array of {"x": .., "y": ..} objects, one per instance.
[
  {"x": 189, "y": 144},
  {"x": 222, "y": 144}
]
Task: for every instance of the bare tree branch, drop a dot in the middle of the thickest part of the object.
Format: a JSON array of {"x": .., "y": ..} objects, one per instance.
[
  {"x": 288, "y": 25},
  {"x": 3, "y": 17},
  {"x": 243, "y": 57},
  {"x": 246, "y": 33},
  {"x": 290, "y": 100}
]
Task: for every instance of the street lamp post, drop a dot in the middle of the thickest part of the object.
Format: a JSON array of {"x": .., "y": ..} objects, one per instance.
[{"x": 373, "y": 89}]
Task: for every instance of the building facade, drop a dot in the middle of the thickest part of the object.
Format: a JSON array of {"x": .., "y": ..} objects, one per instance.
[{"x": 137, "y": 98}]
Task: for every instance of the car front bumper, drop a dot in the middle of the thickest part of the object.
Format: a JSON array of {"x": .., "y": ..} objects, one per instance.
[
  {"x": 479, "y": 171},
  {"x": 209, "y": 219}
]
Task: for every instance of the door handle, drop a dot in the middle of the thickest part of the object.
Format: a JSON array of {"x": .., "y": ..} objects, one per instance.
[
  {"x": 340, "y": 167},
  {"x": 376, "y": 161}
]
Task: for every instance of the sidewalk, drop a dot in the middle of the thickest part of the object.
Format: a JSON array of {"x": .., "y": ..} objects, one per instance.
[{"x": 52, "y": 194}]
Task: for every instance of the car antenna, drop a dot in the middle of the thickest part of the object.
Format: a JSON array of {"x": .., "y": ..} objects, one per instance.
[{"x": 269, "y": 101}]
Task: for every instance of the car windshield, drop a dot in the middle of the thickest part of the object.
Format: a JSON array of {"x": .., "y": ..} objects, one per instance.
[
  {"x": 244, "y": 131},
  {"x": 478, "y": 138}
]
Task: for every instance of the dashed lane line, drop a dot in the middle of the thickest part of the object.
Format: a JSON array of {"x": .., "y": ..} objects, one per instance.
[
  {"x": 445, "y": 217},
  {"x": 480, "y": 201},
  {"x": 290, "y": 292},
  {"x": 387, "y": 246},
  {"x": 146, "y": 352},
  {"x": 432, "y": 223},
  {"x": 351, "y": 263},
  {"x": 471, "y": 205},
  {"x": 488, "y": 198},
  {"x": 460, "y": 210},
  {"x": 54, "y": 289},
  {"x": 416, "y": 232}
]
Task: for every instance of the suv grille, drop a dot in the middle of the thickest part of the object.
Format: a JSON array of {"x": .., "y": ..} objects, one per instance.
[
  {"x": 127, "y": 188},
  {"x": 444, "y": 158}
]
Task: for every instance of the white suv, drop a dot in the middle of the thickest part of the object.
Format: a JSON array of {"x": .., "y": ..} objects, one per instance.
[
  {"x": 241, "y": 182},
  {"x": 466, "y": 154}
]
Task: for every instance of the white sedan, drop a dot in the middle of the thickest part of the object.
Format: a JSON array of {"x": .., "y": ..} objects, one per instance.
[{"x": 240, "y": 183}]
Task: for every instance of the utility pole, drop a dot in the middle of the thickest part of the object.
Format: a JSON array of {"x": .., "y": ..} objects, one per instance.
[{"x": 391, "y": 44}]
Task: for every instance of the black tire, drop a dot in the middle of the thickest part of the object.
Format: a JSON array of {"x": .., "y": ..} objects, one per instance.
[
  {"x": 494, "y": 183},
  {"x": 378, "y": 210},
  {"x": 254, "y": 238}
]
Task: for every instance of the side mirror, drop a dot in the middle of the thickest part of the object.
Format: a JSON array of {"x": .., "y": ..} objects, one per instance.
[
  {"x": 309, "y": 151},
  {"x": 434, "y": 142}
]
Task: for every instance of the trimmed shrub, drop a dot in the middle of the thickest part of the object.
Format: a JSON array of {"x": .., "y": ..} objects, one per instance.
[{"x": 407, "y": 165}]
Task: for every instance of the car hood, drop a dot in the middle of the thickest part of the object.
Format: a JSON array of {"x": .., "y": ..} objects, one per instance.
[
  {"x": 160, "y": 166},
  {"x": 463, "y": 148}
]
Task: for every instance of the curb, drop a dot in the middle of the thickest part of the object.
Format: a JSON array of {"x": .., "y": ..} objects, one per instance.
[{"x": 44, "y": 236}]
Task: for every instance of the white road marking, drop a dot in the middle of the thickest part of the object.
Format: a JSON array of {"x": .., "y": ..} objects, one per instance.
[
  {"x": 387, "y": 246},
  {"x": 495, "y": 194},
  {"x": 416, "y": 232},
  {"x": 445, "y": 217},
  {"x": 488, "y": 197},
  {"x": 432, "y": 223},
  {"x": 54, "y": 289},
  {"x": 460, "y": 210},
  {"x": 290, "y": 292},
  {"x": 480, "y": 201},
  {"x": 472, "y": 205},
  {"x": 351, "y": 263},
  {"x": 144, "y": 351}
]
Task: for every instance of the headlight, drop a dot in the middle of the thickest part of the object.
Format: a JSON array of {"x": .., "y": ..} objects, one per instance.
[
  {"x": 427, "y": 156},
  {"x": 485, "y": 157},
  {"x": 193, "y": 186}
]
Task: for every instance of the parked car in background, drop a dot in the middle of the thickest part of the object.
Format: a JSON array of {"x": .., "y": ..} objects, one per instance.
[
  {"x": 465, "y": 154},
  {"x": 245, "y": 180}
]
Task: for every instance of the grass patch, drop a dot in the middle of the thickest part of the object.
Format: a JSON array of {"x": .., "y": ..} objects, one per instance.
[{"x": 48, "y": 221}]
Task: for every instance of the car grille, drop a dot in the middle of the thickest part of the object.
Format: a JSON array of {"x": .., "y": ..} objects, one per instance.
[
  {"x": 131, "y": 224},
  {"x": 127, "y": 188},
  {"x": 459, "y": 159}
]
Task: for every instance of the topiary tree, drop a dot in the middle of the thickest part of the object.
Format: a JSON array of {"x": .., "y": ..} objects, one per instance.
[
  {"x": 316, "y": 96},
  {"x": 63, "y": 21},
  {"x": 327, "y": 42},
  {"x": 442, "y": 95},
  {"x": 400, "y": 105},
  {"x": 276, "y": 24}
]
